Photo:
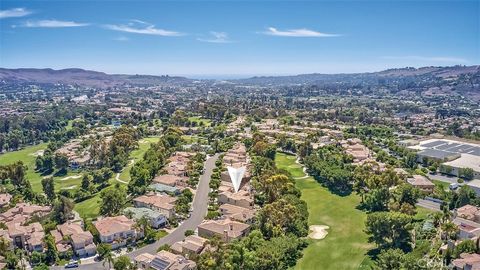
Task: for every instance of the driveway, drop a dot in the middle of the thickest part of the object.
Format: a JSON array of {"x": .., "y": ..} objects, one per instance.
[{"x": 199, "y": 206}]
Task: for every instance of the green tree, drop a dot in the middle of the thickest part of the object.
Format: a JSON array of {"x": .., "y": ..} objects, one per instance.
[
  {"x": 466, "y": 173},
  {"x": 377, "y": 200},
  {"x": 12, "y": 260},
  {"x": 62, "y": 209},
  {"x": 410, "y": 160},
  {"x": 48, "y": 185},
  {"x": 103, "y": 250},
  {"x": 86, "y": 182},
  {"x": 389, "y": 229},
  {"x": 123, "y": 263},
  {"x": 466, "y": 246},
  {"x": 51, "y": 255},
  {"x": 61, "y": 163},
  {"x": 390, "y": 259},
  {"x": 113, "y": 200}
]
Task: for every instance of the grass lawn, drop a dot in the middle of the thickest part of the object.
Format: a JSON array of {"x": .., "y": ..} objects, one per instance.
[
  {"x": 206, "y": 122},
  {"x": 441, "y": 184},
  {"x": 346, "y": 245},
  {"x": 69, "y": 125},
  {"x": 422, "y": 213},
  {"x": 27, "y": 155},
  {"x": 89, "y": 209},
  {"x": 190, "y": 139},
  {"x": 136, "y": 155}
]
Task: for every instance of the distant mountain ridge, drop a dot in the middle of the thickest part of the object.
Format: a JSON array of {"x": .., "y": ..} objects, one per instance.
[
  {"x": 464, "y": 79},
  {"x": 440, "y": 72},
  {"x": 77, "y": 76}
]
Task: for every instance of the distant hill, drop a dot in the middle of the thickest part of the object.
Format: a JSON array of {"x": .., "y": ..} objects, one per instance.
[
  {"x": 76, "y": 76},
  {"x": 463, "y": 80},
  {"x": 439, "y": 72}
]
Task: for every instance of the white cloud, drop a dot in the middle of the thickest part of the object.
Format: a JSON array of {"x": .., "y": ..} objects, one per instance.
[
  {"x": 444, "y": 59},
  {"x": 141, "y": 27},
  {"x": 52, "y": 24},
  {"x": 216, "y": 37},
  {"x": 14, "y": 13},
  {"x": 303, "y": 32}
]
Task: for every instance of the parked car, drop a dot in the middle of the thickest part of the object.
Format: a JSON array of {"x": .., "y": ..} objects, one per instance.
[
  {"x": 72, "y": 264},
  {"x": 453, "y": 186}
]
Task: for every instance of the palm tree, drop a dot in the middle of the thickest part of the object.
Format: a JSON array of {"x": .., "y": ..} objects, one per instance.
[
  {"x": 108, "y": 258},
  {"x": 449, "y": 228},
  {"x": 20, "y": 254}
]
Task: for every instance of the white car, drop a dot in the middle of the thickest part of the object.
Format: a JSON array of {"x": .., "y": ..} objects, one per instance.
[{"x": 453, "y": 186}]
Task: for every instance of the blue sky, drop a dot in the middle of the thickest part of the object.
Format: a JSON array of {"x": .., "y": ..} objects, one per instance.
[{"x": 239, "y": 38}]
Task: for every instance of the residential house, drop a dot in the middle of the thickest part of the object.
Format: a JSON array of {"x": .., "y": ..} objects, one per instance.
[
  {"x": 469, "y": 212},
  {"x": 29, "y": 236},
  {"x": 116, "y": 231},
  {"x": 164, "y": 260},
  {"x": 162, "y": 188},
  {"x": 421, "y": 182},
  {"x": 226, "y": 229},
  {"x": 168, "y": 179},
  {"x": 467, "y": 229},
  {"x": 154, "y": 218},
  {"x": 72, "y": 234},
  {"x": 192, "y": 244},
  {"x": 238, "y": 213},
  {"x": 164, "y": 204},
  {"x": 23, "y": 212},
  {"x": 467, "y": 262},
  {"x": 242, "y": 198}
]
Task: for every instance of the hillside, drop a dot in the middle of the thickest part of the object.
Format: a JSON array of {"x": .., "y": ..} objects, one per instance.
[{"x": 76, "y": 76}]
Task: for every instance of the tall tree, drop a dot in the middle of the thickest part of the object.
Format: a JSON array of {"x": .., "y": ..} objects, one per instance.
[
  {"x": 62, "y": 209},
  {"x": 113, "y": 200},
  {"x": 389, "y": 229},
  {"x": 48, "y": 185}
]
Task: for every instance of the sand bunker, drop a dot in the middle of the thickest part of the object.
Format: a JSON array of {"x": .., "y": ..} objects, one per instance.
[
  {"x": 71, "y": 177},
  {"x": 38, "y": 153},
  {"x": 69, "y": 187},
  {"x": 318, "y": 231}
]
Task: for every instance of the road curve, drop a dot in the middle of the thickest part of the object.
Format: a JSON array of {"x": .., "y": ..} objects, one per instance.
[{"x": 199, "y": 206}]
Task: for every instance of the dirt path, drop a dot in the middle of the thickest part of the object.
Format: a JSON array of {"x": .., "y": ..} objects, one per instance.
[{"x": 117, "y": 177}]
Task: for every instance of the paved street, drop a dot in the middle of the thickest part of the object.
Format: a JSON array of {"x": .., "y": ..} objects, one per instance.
[
  {"x": 444, "y": 178},
  {"x": 199, "y": 205},
  {"x": 434, "y": 206}
]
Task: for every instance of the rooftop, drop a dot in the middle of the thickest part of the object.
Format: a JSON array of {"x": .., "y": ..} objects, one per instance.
[{"x": 112, "y": 225}]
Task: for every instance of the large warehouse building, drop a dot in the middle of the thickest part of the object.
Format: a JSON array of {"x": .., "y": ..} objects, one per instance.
[{"x": 455, "y": 154}]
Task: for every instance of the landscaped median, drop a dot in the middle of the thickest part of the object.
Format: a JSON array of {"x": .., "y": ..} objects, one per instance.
[{"x": 345, "y": 246}]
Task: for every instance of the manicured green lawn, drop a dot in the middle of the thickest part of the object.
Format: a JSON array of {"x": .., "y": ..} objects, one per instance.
[
  {"x": 206, "y": 122},
  {"x": 346, "y": 245},
  {"x": 136, "y": 155},
  {"x": 27, "y": 155},
  {"x": 89, "y": 209},
  {"x": 287, "y": 162}
]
